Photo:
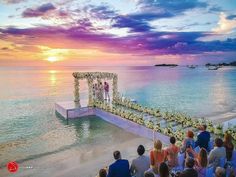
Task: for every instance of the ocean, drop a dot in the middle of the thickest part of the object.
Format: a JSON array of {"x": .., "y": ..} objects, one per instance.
[{"x": 30, "y": 129}]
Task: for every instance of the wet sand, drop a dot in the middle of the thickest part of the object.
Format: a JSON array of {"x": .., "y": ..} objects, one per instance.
[{"x": 80, "y": 162}]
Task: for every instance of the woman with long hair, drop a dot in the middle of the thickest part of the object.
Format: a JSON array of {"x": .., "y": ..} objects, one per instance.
[
  {"x": 157, "y": 156},
  {"x": 201, "y": 161},
  {"x": 229, "y": 146},
  {"x": 163, "y": 170}
]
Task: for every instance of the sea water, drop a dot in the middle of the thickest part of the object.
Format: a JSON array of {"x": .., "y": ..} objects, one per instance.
[{"x": 29, "y": 127}]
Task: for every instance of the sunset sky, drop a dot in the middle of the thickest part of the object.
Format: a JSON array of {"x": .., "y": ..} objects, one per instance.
[{"x": 116, "y": 32}]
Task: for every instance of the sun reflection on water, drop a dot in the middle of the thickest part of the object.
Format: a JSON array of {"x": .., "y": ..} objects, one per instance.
[{"x": 53, "y": 77}]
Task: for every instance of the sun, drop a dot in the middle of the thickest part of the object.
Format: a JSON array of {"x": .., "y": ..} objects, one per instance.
[{"x": 52, "y": 59}]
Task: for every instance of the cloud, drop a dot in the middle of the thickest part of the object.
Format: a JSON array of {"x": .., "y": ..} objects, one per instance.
[
  {"x": 143, "y": 43},
  {"x": 4, "y": 48},
  {"x": 150, "y": 10},
  {"x": 133, "y": 24},
  {"x": 171, "y": 6},
  {"x": 225, "y": 25},
  {"x": 231, "y": 17},
  {"x": 101, "y": 11},
  {"x": 13, "y": 1},
  {"x": 39, "y": 11},
  {"x": 215, "y": 9},
  {"x": 138, "y": 22}
]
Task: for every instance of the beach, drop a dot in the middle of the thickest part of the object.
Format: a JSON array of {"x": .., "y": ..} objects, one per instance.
[{"x": 84, "y": 162}]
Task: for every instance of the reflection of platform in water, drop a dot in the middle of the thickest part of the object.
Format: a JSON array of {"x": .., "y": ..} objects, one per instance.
[{"x": 70, "y": 110}]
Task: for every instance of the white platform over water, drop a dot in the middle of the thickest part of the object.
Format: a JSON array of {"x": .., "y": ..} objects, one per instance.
[{"x": 70, "y": 110}]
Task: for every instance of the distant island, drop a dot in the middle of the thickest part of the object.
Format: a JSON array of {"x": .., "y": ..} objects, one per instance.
[
  {"x": 170, "y": 65},
  {"x": 221, "y": 64}
]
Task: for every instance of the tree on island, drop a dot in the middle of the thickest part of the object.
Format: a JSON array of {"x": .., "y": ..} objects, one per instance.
[{"x": 221, "y": 64}]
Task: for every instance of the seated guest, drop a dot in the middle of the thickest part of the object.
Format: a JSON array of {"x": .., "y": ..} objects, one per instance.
[
  {"x": 201, "y": 162},
  {"x": 120, "y": 167},
  {"x": 203, "y": 137},
  {"x": 148, "y": 174},
  {"x": 140, "y": 164},
  {"x": 150, "y": 170},
  {"x": 229, "y": 146},
  {"x": 220, "y": 172},
  {"x": 188, "y": 141},
  {"x": 157, "y": 156},
  {"x": 189, "y": 171},
  {"x": 217, "y": 153},
  {"x": 172, "y": 153},
  {"x": 163, "y": 170},
  {"x": 102, "y": 173}
]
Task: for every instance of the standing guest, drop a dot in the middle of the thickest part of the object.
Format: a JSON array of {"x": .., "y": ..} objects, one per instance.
[
  {"x": 148, "y": 174},
  {"x": 229, "y": 146},
  {"x": 106, "y": 90},
  {"x": 120, "y": 168},
  {"x": 100, "y": 92},
  {"x": 188, "y": 141},
  {"x": 157, "y": 156},
  {"x": 172, "y": 153},
  {"x": 220, "y": 172},
  {"x": 201, "y": 161},
  {"x": 217, "y": 153},
  {"x": 140, "y": 164},
  {"x": 189, "y": 171},
  {"x": 164, "y": 170},
  {"x": 203, "y": 137},
  {"x": 102, "y": 173}
]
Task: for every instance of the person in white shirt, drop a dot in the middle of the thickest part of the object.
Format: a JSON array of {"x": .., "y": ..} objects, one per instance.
[{"x": 217, "y": 153}]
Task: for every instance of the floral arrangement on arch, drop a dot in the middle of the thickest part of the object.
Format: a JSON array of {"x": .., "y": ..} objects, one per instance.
[{"x": 91, "y": 76}]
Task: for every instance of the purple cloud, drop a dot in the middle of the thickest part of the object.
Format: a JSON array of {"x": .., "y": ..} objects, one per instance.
[
  {"x": 138, "y": 22},
  {"x": 148, "y": 43},
  {"x": 133, "y": 24},
  {"x": 39, "y": 11}
]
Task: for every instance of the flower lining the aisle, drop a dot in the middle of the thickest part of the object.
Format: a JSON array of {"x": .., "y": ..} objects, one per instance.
[{"x": 121, "y": 107}]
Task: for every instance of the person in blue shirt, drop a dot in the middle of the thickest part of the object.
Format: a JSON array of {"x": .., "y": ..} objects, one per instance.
[
  {"x": 203, "y": 138},
  {"x": 120, "y": 168}
]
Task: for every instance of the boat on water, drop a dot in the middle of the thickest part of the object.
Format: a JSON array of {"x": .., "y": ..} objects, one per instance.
[
  {"x": 213, "y": 67},
  {"x": 191, "y": 66}
]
